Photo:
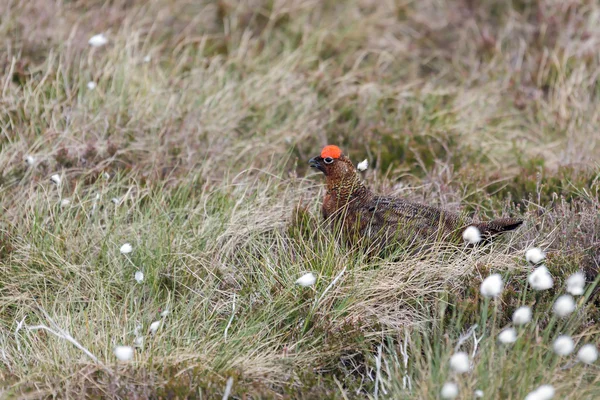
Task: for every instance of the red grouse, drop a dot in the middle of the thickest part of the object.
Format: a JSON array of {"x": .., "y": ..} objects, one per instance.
[{"x": 363, "y": 215}]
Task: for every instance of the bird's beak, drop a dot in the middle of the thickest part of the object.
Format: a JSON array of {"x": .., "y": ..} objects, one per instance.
[{"x": 316, "y": 162}]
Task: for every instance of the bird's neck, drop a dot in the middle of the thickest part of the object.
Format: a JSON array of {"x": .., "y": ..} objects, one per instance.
[{"x": 347, "y": 187}]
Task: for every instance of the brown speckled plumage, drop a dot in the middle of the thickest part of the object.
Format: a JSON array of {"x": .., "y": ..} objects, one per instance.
[{"x": 364, "y": 215}]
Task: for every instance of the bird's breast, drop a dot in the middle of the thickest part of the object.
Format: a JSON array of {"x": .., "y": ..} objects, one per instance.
[{"x": 329, "y": 205}]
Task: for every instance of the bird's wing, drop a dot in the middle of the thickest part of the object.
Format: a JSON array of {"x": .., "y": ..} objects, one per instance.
[{"x": 398, "y": 211}]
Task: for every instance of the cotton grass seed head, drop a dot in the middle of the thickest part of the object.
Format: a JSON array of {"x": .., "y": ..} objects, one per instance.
[
  {"x": 56, "y": 179},
  {"x": 508, "y": 336},
  {"x": 540, "y": 279},
  {"x": 522, "y": 315},
  {"x": 478, "y": 393},
  {"x": 535, "y": 255},
  {"x": 154, "y": 326},
  {"x": 363, "y": 165},
  {"x": 30, "y": 160},
  {"x": 124, "y": 353},
  {"x": 91, "y": 85},
  {"x": 564, "y": 305},
  {"x": 306, "y": 280},
  {"x": 472, "y": 235},
  {"x": 544, "y": 392},
  {"x": 449, "y": 390},
  {"x": 588, "y": 354},
  {"x": 563, "y": 345},
  {"x": 98, "y": 40},
  {"x": 126, "y": 248},
  {"x": 65, "y": 202},
  {"x": 139, "y": 276},
  {"x": 459, "y": 362},
  {"x": 138, "y": 341},
  {"x": 492, "y": 286},
  {"x": 576, "y": 284}
]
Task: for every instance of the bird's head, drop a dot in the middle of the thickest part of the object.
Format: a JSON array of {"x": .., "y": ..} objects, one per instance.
[{"x": 334, "y": 164}]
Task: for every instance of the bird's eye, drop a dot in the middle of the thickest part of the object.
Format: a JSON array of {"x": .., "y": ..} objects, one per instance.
[{"x": 328, "y": 160}]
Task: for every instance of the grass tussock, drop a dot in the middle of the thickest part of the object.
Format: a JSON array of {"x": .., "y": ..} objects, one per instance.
[{"x": 193, "y": 145}]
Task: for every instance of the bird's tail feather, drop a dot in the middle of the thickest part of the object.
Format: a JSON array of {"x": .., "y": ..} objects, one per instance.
[{"x": 498, "y": 226}]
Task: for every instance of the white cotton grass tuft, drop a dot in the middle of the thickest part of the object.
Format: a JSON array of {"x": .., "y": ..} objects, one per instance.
[
  {"x": 91, "y": 85},
  {"x": 508, "y": 336},
  {"x": 30, "y": 160},
  {"x": 65, "y": 202},
  {"x": 459, "y": 362},
  {"x": 126, "y": 248},
  {"x": 363, "y": 165},
  {"x": 124, "y": 353},
  {"x": 522, "y": 315},
  {"x": 472, "y": 235},
  {"x": 449, "y": 390},
  {"x": 478, "y": 393},
  {"x": 154, "y": 326},
  {"x": 540, "y": 278},
  {"x": 56, "y": 179},
  {"x": 576, "y": 284},
  {"x": 98, "y": 40},
  {"x": 139, "y": 276},
  {"x": 588, "y": 354},
  {"x": 165, "y": 312},
  {"x": 564, "y": 305},
  {"x": 492, "y": 286},
  {"x": 306, "y": 280},
  {"x": 147, "y": 58},
  {"x": 116, "y": 200},
  {"x": 535, "y": 255},
  {"x": 563, "y": 345},
  {"x": 544, "y": 392},
  {"x": 138, "y": 341}
]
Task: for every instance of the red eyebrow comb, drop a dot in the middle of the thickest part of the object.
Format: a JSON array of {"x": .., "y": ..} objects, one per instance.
[{"x": 331, "y": 151}]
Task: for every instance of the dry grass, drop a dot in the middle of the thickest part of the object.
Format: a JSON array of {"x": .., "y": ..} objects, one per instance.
[{"x": 490, "y": 107}]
